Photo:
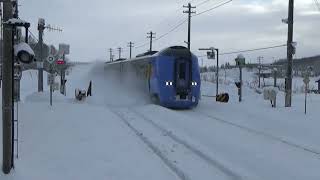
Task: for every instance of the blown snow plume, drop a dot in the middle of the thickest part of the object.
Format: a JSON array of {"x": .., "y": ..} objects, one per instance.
[{"x": 114, "y": 88}]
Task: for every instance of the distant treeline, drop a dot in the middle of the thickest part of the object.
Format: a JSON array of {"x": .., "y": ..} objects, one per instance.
[{"x": 302, "y": 64}]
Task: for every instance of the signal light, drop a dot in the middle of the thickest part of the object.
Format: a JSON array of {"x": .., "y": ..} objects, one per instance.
[{"x": 24, "y": 53}]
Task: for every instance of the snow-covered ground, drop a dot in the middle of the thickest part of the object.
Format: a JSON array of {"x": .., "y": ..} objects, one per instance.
[{"x": 119, "y": 134}]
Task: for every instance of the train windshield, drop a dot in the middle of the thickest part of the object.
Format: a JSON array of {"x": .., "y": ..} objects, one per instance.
[{"x": 182, "y": 71}]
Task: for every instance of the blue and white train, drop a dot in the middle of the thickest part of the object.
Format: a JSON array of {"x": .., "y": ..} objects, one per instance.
[{"x": 172, "y": 76}]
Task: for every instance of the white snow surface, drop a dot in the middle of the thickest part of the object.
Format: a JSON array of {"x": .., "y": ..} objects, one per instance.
[{"x": 119, "y": 134}]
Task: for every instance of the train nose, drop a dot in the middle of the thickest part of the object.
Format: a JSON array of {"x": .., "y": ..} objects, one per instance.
[
  {"x": 182, "y": 77},
  {"x": 181, "y": 83}
]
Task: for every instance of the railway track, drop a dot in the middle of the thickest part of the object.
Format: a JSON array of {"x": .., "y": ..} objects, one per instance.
[
  {"x": 260, "y": 133},
  {"x": 176, "y": 164}
]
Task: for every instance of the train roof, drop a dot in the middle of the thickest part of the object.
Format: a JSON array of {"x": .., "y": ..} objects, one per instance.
[
  {"x": 180, "y": 51},
  {"x": 149, "y": 53}
]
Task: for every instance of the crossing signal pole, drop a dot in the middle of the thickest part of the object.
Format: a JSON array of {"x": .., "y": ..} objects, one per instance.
[
  {"x": 189, "y": 12},
  {"x": 131, "y": 45},
  {"x": 41, "y": 27},
  {"x": 151, "y": 36},
  {"x": 111, "y": 56},
  {"x": 290, "y": 52},
  {"x": 119, "y": 50}
]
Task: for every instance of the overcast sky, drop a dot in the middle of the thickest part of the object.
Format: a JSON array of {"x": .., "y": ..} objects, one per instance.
[{"x": 92, "y": 27}]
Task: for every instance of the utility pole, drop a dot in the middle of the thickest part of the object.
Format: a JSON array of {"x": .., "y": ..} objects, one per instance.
[
  {"x": 131, "y": 45},
  {"x": 259, "y": 60},
  {"x": 1, "y": 41},
  {"x": 189, "y": 12},
  {"x": 41, "y": 28},
  {"x": 119, "y": 50},
  {"x": 7, "y": 89},
  {"x": 111, "y": 56},
  {"x": 290, "y": 52},
  {"x": 151, "y": 36}
]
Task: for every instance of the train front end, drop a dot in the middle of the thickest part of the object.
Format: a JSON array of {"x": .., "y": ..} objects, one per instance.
[{"x": 178, "y": 78}]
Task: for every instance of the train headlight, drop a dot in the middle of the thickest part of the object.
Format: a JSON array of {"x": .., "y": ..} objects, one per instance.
[
  {"x": 169, "y": 83},
  {"x": 194, "y": 83}
]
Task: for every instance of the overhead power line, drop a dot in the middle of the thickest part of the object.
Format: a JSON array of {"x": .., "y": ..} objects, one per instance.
[
  {"x": 215, "y": 7},
  {"x": 171, "y": 30},
  {"x": 203, "y": 2},
  {"x": 142, "y": 45},
  {"x": 257, "y": 49},
  {"x": 165, "y": 34},
  {"x": 179, "y": 24},
  {"x": 251, "y": 50}
]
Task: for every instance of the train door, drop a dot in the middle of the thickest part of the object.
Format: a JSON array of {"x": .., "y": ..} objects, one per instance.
[{"x": 182, "y": 76}]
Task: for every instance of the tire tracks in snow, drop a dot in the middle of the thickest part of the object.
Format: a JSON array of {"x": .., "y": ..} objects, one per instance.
[
  {"x": 260, "y": 133},
  {"x": 207, "y": 159}
]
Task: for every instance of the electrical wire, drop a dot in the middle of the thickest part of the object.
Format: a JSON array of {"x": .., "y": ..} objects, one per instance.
[
  {"x": 171, "y": 30},
  {"x": 203, "y": 2},
  {"x": 165, "y": 34},
  {"x": 215, "y": 7},
  {"x": 142, "y": 45},
  {"x": 182, "y": 22},
  {"x": 250, "y": 50},
  {"x": 257, "y": 49}
]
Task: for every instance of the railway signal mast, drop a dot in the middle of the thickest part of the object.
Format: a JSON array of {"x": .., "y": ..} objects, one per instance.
[
  {"x": 211, "y": 55},
  {"x": 189, "y": 12}
]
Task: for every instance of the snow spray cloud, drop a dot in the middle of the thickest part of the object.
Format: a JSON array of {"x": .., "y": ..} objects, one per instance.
[{"x": 119, "y": 89}]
